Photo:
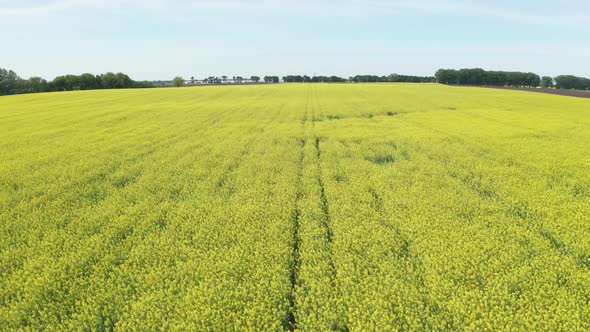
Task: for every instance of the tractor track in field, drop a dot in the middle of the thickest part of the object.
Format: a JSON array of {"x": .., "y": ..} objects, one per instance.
[
  {"x": 296, "y": 259},
  {"x": 291, "y": 323},
  {"x": 326, "y": 222},
  {"x": 323, "y": 199},
  {"x": 313, "y": 157},
  {"x": 325, "y": 206}
]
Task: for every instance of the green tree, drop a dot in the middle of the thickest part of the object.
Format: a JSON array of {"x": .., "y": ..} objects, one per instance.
[
  {"x": 122, "y": 81},
  {"x": 36, "y": 84},
  {"x": 178, "y": 81},
  {"x": 58, "y": 83},
  {"x": 88, "y": 82},
  {"x": 8, "y": 81},
  {"x": 108, "y": 80},
  {"x": 572, "y": 82},
  {"x": 547, "y": 82}
]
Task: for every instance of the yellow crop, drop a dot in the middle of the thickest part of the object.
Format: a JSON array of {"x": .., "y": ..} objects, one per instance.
[{"x": 312, "y": 207}]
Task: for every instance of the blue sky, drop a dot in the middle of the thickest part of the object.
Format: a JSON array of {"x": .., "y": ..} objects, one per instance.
[{"x": 159, "y": 39}]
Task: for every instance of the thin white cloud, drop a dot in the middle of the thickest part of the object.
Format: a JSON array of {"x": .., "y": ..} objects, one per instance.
[
  {"x": 41, "y": 8},
  {"x": 532, "y": 16},
  {"x": 575, "y": 17}
]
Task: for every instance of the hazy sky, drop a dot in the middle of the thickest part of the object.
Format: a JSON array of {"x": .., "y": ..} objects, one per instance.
[{"x": 159, "y": 39}]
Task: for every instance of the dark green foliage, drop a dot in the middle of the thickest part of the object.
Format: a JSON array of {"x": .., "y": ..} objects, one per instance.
[
  {"x": 178, "y": 81},
  {"x": 572, "y": 82},
  {"x": 515, "y": 289},
  {"x": 547, "y": 82},
  {"x": 554, "y": 241},
  {"x": 584, "y": 260},
  {"x": 382, "y": 159},
  {"x": 11, "y": 83},
  {"x": 314, "y": 79},
  {"x": 394, "y": 78},
  {"x": 478, "y": 76},
  {"x": 8, "y": 81},
  {"x": 271, "y": 79}
]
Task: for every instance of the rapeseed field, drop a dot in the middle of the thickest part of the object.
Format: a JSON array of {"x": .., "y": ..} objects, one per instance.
[{"x": 413, "y": 207}]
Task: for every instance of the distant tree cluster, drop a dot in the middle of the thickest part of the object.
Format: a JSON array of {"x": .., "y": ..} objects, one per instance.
[
  {"x": 572, "y": 82},
  {"x": 478, "y": 76},
  {"x": 225, "y": 80},
  {"x": 314, "y": 79},
  {"x": 547, "y": 82},
  {"x": 212, "y": 80},
  {"x": 11, "y": 83},
  {"x": 394, "y": 78},
  {"x": 358, "y": 79},
  {"x": 271, "y": 79},
  {"x": 178, "y": 81}
]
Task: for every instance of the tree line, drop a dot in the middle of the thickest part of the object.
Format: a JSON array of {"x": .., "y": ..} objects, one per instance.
[
  {"x": 358, "y": 79},
  {"x": 478, "y": 76},
  {"x": 11, "y": 83},
  {"x": 218, "y": 80},
  {"x": 179, "y": 81},
  {"x": 475, "y": 76},
  {"x": 394, "y": 78},
  {"x": 314, "y": 79},
  {"x": 572, "y": 82}
]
